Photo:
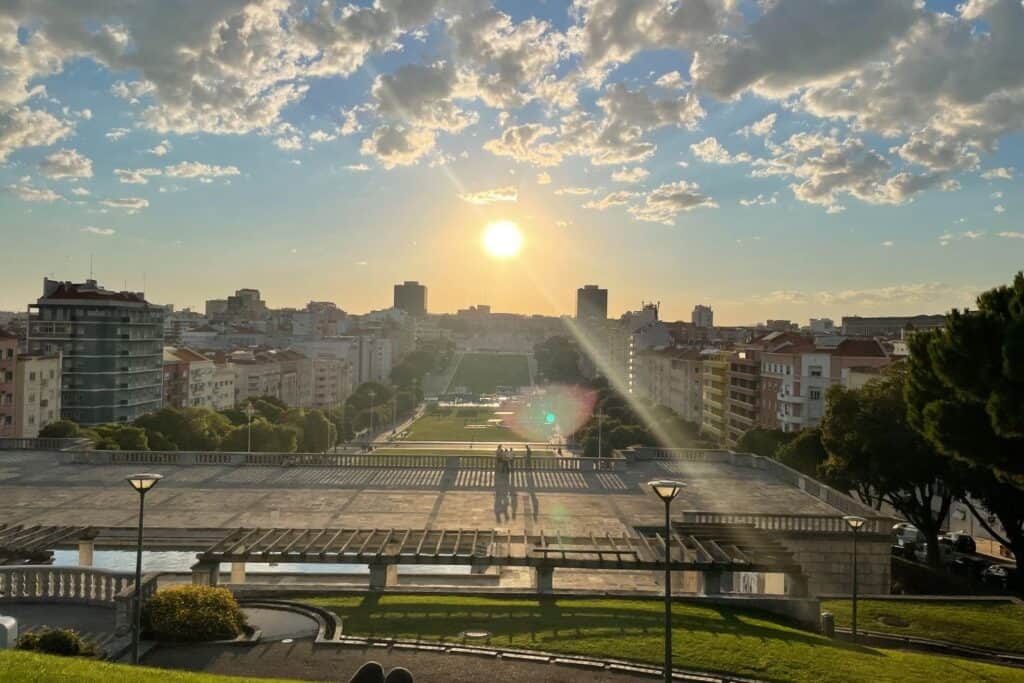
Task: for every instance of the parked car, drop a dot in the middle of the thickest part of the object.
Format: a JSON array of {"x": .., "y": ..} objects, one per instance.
[
  {"x": 908, "y": 539},
  {"x": 1002, "y": 577},
  {"x": 961, "y": 541}
]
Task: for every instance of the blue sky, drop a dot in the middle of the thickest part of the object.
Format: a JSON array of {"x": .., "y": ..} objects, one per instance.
[{"x": 789, "y": 159}]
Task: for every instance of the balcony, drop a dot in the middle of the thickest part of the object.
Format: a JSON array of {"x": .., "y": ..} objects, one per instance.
[{"x": 791, "y": 399}]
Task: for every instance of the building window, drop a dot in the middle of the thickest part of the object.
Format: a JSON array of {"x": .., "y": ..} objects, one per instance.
[
  {"x": 815, "y": 370},
  {"x": 815, "y": 394}
]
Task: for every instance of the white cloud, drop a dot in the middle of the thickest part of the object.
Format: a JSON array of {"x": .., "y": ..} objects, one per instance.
[
  {"x": 760, "y": 128},
  {"x": 129, "y": 204},
  {"x": 23, "y": 127},
  {"x": 761, "y": 200},
  {"x": 1010, "y": 234},
  {"x": 421, "y": 95},
  {"x": 522, "y": 144},
  {"x": 196, "y": 169},
  {"x": 491, "y": 196},
  {"x": 672, "y": 80},
  {"x": 291, "y": 143},
  {"x": 397, "y": 145},
  {"x": 132, "y": 91},
  {"x": 667, "y": 201},
  {"x": 66, "y": 164},
  {"x": 80, "y": 192},
  {"x": 630, "y": 175},
  {"x": 322, "y": 136},
  {"x": 115, "y": 134},
  {"x": 161, "y": 149},
  {"x": 29, "y": 193},
  {"x": 136, "y": 176},
  {"x": 999, "y": 208},
  {"x": 101, "y": 232},
  {"x": 576, "y": 191},
  {"x": 1001, "y": 173},
  {"x": 609, "y": 200},
  {"x": 710, "y": 151},
  {"x": 357, "y": 167},
  {"x": 887, "y": 243},
  {"x": 543, "y": 178}
]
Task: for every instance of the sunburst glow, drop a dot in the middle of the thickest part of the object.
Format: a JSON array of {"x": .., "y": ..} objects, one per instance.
[{"x": 503, "y": 239}]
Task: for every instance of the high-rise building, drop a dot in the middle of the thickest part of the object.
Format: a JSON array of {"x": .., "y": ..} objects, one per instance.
[
  {"x": 411, "y": 297},
  {"x": 591, "y": 303},
  {"x": 702, "y": 316},
  {"x": 112, "y": 347}
]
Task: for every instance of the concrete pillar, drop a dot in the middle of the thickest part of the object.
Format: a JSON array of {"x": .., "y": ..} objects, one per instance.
[
  {"x": 238, "y": 572},
  {"x": 545, "y": 580},
  {"x": 712, "y": 582},
  {"x": 383, "y": 576},
  {"x": 206, "y": 573},
  {"x": 85, "y": 551}
]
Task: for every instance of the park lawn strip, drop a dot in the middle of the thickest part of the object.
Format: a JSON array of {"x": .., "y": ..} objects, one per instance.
[
  {"x": 986, "y": 624},
  {"x": 483, "y": 373},
  {"x": 31, "y": 667},
  {"x": 713, "y": 639},
  {"x": 450, "y": 426}
]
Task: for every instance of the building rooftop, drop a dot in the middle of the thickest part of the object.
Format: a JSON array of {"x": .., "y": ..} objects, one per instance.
[{"x": 88, "y": 290}]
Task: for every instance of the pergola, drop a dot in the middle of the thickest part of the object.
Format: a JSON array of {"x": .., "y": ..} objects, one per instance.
[
  {"x": 710, "y": 549},
  {"x": 33, "y": 544}
]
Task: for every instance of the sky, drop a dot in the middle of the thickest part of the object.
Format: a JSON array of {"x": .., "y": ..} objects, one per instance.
[{"x": 772, "y": 158}]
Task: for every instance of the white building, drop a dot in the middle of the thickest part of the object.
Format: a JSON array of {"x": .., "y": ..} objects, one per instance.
[{"x": 37, "y": 386}]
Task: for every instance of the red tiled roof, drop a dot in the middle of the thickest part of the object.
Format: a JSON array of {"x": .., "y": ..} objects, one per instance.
[{"x": 860, "y": 347}]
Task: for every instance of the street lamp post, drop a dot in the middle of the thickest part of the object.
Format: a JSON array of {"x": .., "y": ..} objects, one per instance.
[
  {"x": 372, "y": 395},
  {"x": 142, "y": 483},
  {"x": 250, "y": 411},
  {"x": 667, "y": 490},
  {"x": 855, "y": 523}
]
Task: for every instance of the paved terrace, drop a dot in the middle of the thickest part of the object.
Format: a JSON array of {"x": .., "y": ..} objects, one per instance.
[{"x": 39, "y": 487}]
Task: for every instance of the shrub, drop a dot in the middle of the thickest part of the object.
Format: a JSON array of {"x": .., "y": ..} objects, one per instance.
[
  {"x": 193, "y": 613},
  {"x": 54, "y": 641}
]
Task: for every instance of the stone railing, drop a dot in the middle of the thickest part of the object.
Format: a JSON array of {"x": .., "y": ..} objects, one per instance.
[
  {"x": 828, "y": 495},
  {"x": 44, "y": 444},
  {"x": 811, "y": 524},
  {"x": 352, "y": 460},
  {"x": 77, "y": 585},
  {"x": 62, "y": 584}
]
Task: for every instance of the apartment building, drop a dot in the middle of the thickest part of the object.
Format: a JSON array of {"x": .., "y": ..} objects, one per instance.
[
  {"x": 797, "y": 373},
  {"x": 37, "y": 389},
  {"x": 8, "y": 362},
  {"x": 715, "y": 389},
  {"x": 112, "y": 349},
  {"x": 673, "y": 378},
  {"x": 283, "y": 374},
  {"x": 742, "y": 401}
]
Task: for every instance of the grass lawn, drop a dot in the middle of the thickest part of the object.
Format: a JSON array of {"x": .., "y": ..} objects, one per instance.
[
  {"x": 483, "y": 373},
  {"x": 35, "y": 668},
  {"x": 466, "y": 450},
  {"x": 455, "y": 424},
  {"x": 995, "y": 625},
  {"x": 706, "y": 638}
]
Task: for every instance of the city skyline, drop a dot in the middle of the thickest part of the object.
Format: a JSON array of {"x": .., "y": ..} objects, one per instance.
[{"x": 770, "y": 177}]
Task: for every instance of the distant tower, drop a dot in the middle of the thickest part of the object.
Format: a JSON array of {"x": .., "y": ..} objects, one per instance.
[
  {"x": 702, "y": 316},
  {"x": 411, "y": 297},
  {"x": 591, "y": 303}
]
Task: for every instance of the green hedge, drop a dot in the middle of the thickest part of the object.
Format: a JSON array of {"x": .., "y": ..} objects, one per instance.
[
  {"x": 193, "y": 613},
  {"x": 55, "y": 641}
]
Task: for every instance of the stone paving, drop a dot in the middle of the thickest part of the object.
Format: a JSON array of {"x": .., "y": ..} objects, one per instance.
[{"x": 35, "y": 488}]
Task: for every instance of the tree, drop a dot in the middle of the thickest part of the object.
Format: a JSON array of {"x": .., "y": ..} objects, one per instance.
[
  {"x": 962, "y": 427},
  {"x": 316, "y": 433},
  {"x": 266, "y": 438},
  {"x": 558, "y": 360},
  {"x": 805, "y": 453},
  {"x": 61, "y": 429},
  {"x": 765, "y": 442},
  {"x": 967, "y": 391},
  {"x": 875, "y": 450}
]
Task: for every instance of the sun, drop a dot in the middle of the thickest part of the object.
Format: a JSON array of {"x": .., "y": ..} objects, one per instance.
[{"x": 503, "y": 239}]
